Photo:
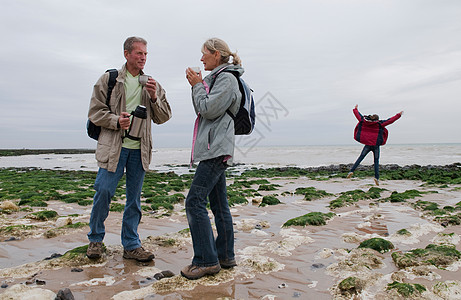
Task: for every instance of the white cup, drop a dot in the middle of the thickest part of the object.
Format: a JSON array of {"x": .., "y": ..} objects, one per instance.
[
  {"x": 196, "y": 69},
  {"x": 143, "y": 79}
]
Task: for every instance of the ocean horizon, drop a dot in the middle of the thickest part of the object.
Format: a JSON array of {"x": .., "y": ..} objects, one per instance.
[{"x": 178, "y": 159}]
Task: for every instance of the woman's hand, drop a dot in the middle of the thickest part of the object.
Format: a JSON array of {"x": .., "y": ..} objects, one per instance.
[{"x": 193, "y": 77}]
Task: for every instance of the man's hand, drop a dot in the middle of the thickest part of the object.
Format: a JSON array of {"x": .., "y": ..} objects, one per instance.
[
  {"x": 124, "y": 120},
  {"x": 151, "y": 87}
]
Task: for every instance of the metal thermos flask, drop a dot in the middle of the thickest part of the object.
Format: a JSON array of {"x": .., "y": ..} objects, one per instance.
[{"x": 137, "y": 123}]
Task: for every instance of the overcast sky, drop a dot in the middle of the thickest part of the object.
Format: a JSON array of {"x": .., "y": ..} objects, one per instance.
[{"x": 309, "y": 62}]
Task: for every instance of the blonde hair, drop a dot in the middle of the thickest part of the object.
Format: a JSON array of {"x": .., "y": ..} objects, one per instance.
[{"x": 215, "y": 44}]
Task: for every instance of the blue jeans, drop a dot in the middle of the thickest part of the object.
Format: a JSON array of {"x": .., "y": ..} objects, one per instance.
[
  {"x": 364, "y": 153},
  {"x": 105, "y": 186},
  {"x": 210, "y": 183}
]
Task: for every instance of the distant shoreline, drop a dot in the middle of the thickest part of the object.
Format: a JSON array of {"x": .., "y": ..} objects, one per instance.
[{"x": 19, "y": 152}]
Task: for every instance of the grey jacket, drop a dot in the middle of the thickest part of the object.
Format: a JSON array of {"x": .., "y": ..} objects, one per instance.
[
  {"x": 215, "y": 134},
  {"x": 110, "y": 138}
]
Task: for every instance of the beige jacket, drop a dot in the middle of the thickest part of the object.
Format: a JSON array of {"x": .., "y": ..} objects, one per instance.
[{"x": 110, "y": 138}]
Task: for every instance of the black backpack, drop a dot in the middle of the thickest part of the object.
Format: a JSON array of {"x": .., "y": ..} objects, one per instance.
[
  {"x": 93, "y": 130},
  {"x": 244, "y": 120}
]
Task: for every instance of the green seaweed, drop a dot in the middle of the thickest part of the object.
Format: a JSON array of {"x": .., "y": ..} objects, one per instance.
[
  {"x": 351, "y": 286},
  {"x": 438, "y": 255},
  {"x": 78, "y": 251},
  {"x": 403, "y": 232},
  {"x": 117, "y": 207},
  {"x": 269, "y": 200},
  {"x": 43, "y": 215},
  {"x": 406, "y": 289},
  {"x": 349, "y": 197},
  {"x": 234, "y": 200},
  {"x": 378, "y": 244},
  {"x": 268, "y": 187},
  {"x": 311, "y": 193},
  {"x": 312, "y": 218}
]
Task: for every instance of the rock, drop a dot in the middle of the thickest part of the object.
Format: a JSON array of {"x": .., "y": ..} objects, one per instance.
[
  {"x": 282, "y": 286},
  {"x": 164, "y": 274},
  {"x": 167, "y": 274},
  {"x": 40, "y": 282},
  {"x": 54, "y": 255},
  {"x": 64, "y": 294},
  {"x": 8, "y": 205},
  {"x": 4, "y": 286},
  {"x": 60, "y": 222},
  {"x": 318, "y": 266},
  {"x": 11, "y": 239},
  {"x": 76, "y": 270}
]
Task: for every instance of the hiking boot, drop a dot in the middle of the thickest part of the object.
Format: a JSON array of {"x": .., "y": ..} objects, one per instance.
[
  {"x": 195, "y": 272},
  {"x": 349, "y": 175},
  {"x": 95, "y": 250},
  {"x": 227, "y": 263},
  {"x": 376, "y": 181},
  {"x": 140, "y": 254}
]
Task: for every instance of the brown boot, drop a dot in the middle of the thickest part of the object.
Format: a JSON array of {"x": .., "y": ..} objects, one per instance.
[
  {"x": 227, "y": 263},
  {"x": 140, "y": 254},
  {"x": 195, "y": 272},
  {"x": 95, "y": 250}
]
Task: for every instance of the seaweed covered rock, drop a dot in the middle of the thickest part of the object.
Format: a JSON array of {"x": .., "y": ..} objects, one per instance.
[
  {"x": 440, "y": 256},
  {"x": 312, "y": 218},
  {"x": 270, "y": 200},
  {"x": 351, "y": 286},
  {"x": 407, "y": 289},
  {"x": 311, "y": 193},
  {"x": 349, "y": 197},
  {"x": 378, "y": 244}
]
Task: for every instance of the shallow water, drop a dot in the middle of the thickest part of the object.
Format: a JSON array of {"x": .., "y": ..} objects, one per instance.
[
  {"x": 301, "y": 254},
  {"x": 177, "y": 159},
  {"x": 305, "y": 253}
]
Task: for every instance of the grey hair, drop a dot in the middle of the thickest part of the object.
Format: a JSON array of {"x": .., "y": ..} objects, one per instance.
[
  {"x": 215, "y": 44},
  {"x": 128, "y": 45}
]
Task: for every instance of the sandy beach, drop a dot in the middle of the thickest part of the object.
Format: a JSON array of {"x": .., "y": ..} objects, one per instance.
[{"x": 274, "y": 262}]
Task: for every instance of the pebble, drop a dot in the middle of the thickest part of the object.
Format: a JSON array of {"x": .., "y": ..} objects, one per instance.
[
  {"x": 283, "y": 285},
  {"x": 11, "y": 239},
  {"x": 76, "y": 270},
  {"x": 318, "y": 266},
  {"x": 54, "y": 255},
  {"x": 64, "y": 294},
  {"x": 4, "y": 286},
  {"x": 40, "y": 282},
  {"x": 164, "y": 274}
]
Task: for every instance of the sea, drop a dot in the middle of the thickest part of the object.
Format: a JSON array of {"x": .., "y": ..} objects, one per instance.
[{"x": 178, "y": 159}]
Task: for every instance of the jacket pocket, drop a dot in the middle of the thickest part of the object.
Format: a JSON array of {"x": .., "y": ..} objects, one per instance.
[{"x": 102, "y": 153}]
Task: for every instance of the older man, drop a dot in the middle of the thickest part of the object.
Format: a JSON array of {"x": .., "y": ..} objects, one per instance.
[{"x": 116, "y": 153}]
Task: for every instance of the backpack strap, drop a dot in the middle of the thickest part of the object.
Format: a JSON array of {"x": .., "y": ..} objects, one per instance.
[
  {"x": 236, "y": 74},
  {"x": 113, "y": 73}
]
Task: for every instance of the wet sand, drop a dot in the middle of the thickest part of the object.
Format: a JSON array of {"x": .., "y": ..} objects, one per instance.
[{"x": 273, "y": 262}]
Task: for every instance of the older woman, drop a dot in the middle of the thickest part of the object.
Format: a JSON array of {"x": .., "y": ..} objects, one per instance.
[{"x": 213, "y": 148}]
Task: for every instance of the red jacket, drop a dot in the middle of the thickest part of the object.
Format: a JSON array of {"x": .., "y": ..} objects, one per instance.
[{"x": 372, "y": 133}]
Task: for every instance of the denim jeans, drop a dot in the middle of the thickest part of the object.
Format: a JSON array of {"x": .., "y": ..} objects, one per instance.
[
  {"x": 105, "y": 186},
  {"x": 366, "y": 149},
  {"x": 210, "y": 183}
]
